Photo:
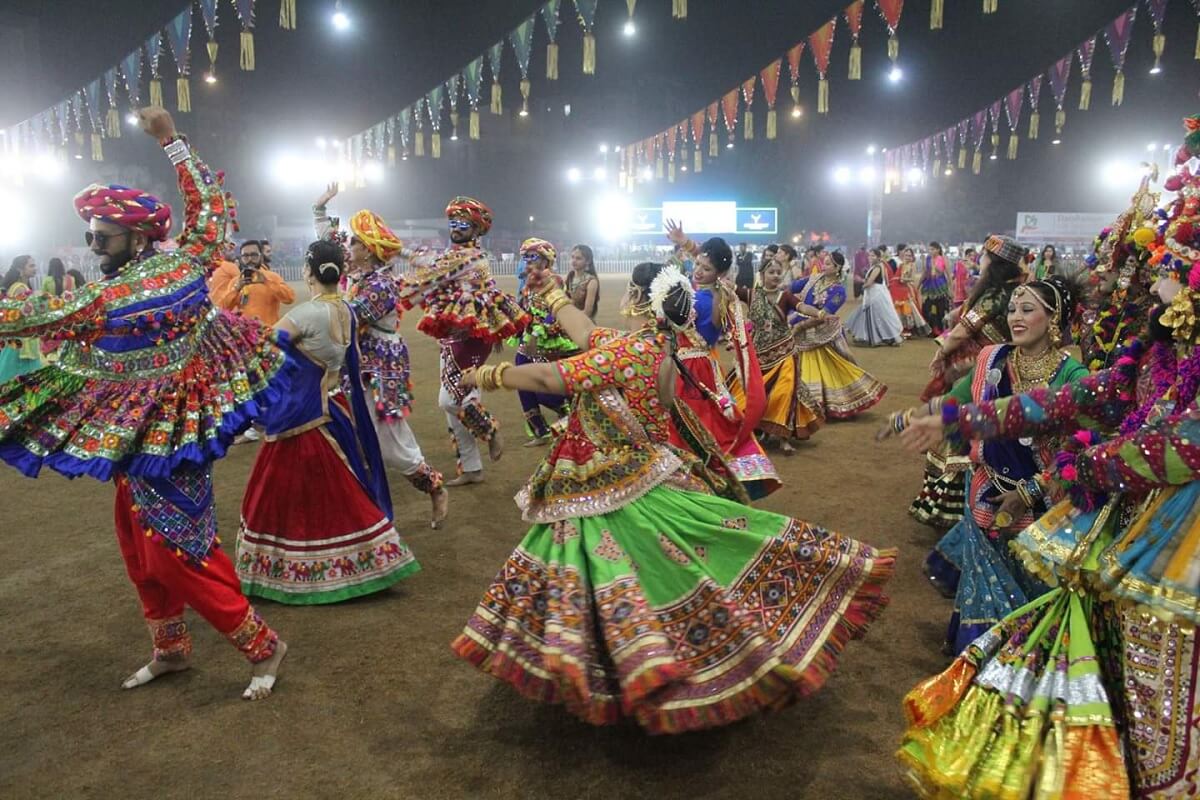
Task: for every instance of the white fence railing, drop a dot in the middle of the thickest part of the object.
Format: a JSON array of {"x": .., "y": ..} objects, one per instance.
[{"x": 507, "y": 267}]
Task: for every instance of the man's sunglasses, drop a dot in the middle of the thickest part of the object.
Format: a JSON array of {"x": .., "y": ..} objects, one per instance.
[
  {"x": 459, "y": 225},
  {"x": 529, "y": 258},
  {"x": 101, "y": 239}
]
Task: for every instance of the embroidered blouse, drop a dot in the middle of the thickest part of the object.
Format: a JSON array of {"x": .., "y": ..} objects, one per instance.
[{"x": 461, "y": 300}]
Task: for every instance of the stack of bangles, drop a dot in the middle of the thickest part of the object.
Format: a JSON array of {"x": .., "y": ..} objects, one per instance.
[
  {"x": 555, "y": 298},
  {"x": 1030, "y": 491},
  {"x": 490, "y": 377},
  {"x": 901, "y": 420}
]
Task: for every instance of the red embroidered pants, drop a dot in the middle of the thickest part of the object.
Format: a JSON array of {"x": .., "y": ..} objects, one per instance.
[{"x": 166, "y": 583}]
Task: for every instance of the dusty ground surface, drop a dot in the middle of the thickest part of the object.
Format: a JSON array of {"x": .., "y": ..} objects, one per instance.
[{"x": 373, "y": 704}]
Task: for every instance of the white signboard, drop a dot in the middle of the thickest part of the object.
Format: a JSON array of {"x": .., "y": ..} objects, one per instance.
[
  {"x": 1051, "y": 227},
  {"x": 702, "y": 217}
]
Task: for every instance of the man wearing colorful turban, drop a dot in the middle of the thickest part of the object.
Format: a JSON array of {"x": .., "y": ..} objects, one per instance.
[
  {"x": 151, "y": 386},
  {"x": 384, "y": 362}
]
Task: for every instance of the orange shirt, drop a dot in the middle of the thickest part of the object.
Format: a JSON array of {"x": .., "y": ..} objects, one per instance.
[{"x": 260, "y": 300}]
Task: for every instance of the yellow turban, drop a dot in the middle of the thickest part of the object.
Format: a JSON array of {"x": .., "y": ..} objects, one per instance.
[{"x": 369, "y": 228}]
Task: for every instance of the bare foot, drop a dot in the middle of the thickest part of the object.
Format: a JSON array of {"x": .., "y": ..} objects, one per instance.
[
  {"x": 441, "y": 507},
  {"x": 155, "y": 669},
  {"x": 467, "y": 478},
  {"x": 263, "y": 676},
  {"x": 495, "y": 447}
]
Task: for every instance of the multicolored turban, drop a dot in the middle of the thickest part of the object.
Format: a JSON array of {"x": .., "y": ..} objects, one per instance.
[
  {"x": 472, "y": 211},
  {"x": 132, "y": 209},
  {"x": 540, "y": 248},
  {"x": 370, "y": 229},
  {"x": 1006, "y": 248}
]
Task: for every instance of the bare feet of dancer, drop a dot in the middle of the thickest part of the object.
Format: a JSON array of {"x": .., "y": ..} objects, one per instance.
[
  {"x": 441, "y": 507},
  {"x": 155, "y": 669},
  {"x": 263, "y": 676}
]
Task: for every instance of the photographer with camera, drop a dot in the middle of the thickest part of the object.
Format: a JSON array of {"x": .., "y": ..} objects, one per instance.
[{"x": 258, "y": 292}]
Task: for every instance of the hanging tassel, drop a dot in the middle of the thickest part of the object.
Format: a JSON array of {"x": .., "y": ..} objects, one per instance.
[
  {"x": 893, "y": 48},
  {"x": 589, "y": 54},
  {"x": 748, "y": 125},
  {"x": 552, "y": 62},
  {"x": 823, "y": 96},
  {"x": 977, "y": 162},
  {"x": 419, "y": 144},
  {"x": 1118, "y": 95},
  {"x": 1197, "y": 54},
  {"x": 113, "y": 124},
  {"x": 962, "y": 158},
  {"x": 995, "y": 140},
  {"x": 435, "y": 141},
  {"x": 1060, "y": 119},
  {"x": 679, "y": 9},
  {"x": 937, "y": 167},
  {"x": 855, "y": 62},
  {"x": 287, "y": 14},
  {"x": 795, "y": 94},
  {"x": 697, "y": 160},
  {"x": 772, "y": 124},
  {"x": 712, "y": 145},
  {"x": 212, "y": 53},
  {"x": 1085, "y": 95},
  {"x": 184, "y": 94},
  {"x": 525, "y": 96},
  {"x": 658, "y": 167},
  {"x": 247, "y": 54},
  {"x": 454, "y": 125},
  {"x": 1159, "y": 43},
  {"x": 79, "y": 138},
  {"x": 156, "y": 98},
  {"x": 990, "y": 6},
  {"x": 671, "y": 173},
  {"x": 1035, "y": 121},
  {"x": 1012, "y": 145},
  {"x": 391, "y": 155},
  {"x": 936, "y": 12},
  {"x": 473, "y": 124},
  {"x": 97, "y": 149},
  {"x": 497, "y": 92}
]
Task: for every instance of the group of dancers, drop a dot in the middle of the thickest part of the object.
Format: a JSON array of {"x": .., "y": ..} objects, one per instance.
[{"x": 648, "y": 587}]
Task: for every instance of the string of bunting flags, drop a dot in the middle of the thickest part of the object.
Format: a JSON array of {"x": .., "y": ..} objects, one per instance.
[
  {"x": 656, "y": 155},
  {"x": 82, "y": 112},
  {"x": 944, "y": 151},
  {"x": 403, "y": 133}
]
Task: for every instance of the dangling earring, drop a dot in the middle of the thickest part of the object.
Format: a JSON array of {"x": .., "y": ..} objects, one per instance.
[{"x": 1055, "y": 331}]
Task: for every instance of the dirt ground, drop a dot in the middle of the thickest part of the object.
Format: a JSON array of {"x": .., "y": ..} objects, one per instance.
[{"x": 371, "y": 702}]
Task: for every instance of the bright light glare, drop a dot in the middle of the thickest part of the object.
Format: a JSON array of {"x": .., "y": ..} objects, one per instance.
[
  {"x": 16, "y": 220},
  {"x": 524, "y": 112},
  {"x": 340, "y": 20},
  {"x": 1150, "y": 148},
  {"x": 915, "y": 175},
  {"x": 841, "y": 175},
  {"x": 1155, "y": 69},
  {"x": 797, "y": 111},
  {"x": 454, "y": 137},
  {"x": 131, "y": 118},
  {"x": 573, "y": 174},
  {"x": 210, "y": 77},
  {"x": 729, "y": 145},
  {"x": 48, "y": 167},
  {"x": 647, "y": 174},
  {"x": 866, "y": 175},
  {"x": 1056, "y": 140},
  {"x": 373, "y": 171},
  {"x": 612, "y": 215},
  {"x": 321, "y": 142},
  {"x": 1120, "y": 174},
  {"x": 599, "y": 174},
  {"x": 870, "y": 149},
  {"x": 630, "y": 29},
  {"x": 603, "y": 148},
  {"x": 949, "y": 171},
  {"x": 895, "y": 74}
]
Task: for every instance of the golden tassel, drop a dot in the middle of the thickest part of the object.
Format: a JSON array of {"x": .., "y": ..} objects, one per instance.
[
  {"x": 473, "y": 124},
  {"x": 212, "y": 52},
  {"x": 712, "y": 145},
  {"x": 990, "y": 6},
  {"x": 589, "y": 54},
  {"x": 1198, "y": 43},
  {"x": 795, "y": 94},
  {"x": 391, "y": 155},
  {"x": 679, "y": 9},
  {"x": 552, "y": 62},
  {"x": 1158, "y": 44},
  {"x": 97, "y": 149},
  {"x": 419, "y": 144},
  {"x": 1035, "y": 122},
  {"x": 435, "y": 141},
  {"x": 977, "y": 162},
  {"x": 698, "y": 160},
  {"x": 893, "y": 48},
  {"x": 1085, "y": 95},
  {"x": 995, "y": 140},
  {"x": 936, "y": 13},
  {"x": 156, "y": 98},
  {"x": 1060, "y": 119},
  {"x": 247, "y": 53},
  {"x": 671, "y": 173},
  {"x": 497, "y": 92},
  {"x": 1013, "y": 139},
  {"x": 454, "y": 125},
  {"x": 748, "y": 126},
  {"x": 287, "y": 14},
  {"x": 772, "y": 124},
  {"x": 855, "y": 62},
  {"x": 658, "y": 167},
  {"x": 113, "y": 124},
  {"x": 184, "y": 92},
  {"x": 79, "y": 138},
  {"x": 823, "y": 96},
  {"x": 1118, "y": 95},
  {"x": 962, "y": 157},
  {"x": 525, "y": 96}
]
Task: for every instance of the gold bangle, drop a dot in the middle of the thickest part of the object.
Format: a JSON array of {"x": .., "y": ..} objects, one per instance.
[
  {"x": 483, "y": 377},
  {"x": 555, "y": 299},
  {"x": 501, "y": 368}
]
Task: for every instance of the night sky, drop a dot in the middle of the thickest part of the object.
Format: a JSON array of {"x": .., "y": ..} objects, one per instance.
[{"x": 312, "y": 82}]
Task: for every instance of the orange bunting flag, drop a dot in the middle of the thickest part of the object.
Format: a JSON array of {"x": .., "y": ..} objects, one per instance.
[
  {"x": 770, "y": 82},
  {"x": 748, "y": 116},
  {"x": 890, "y": 11},
  {"x": 712, "y": 129},
  {"x": 820, "y": 44},
  {"x": 793, "y": 59},
  {"x": 698, "y": 140},
  {"x": 854, "y": 15},
  {"x": 729, "y": 107}
]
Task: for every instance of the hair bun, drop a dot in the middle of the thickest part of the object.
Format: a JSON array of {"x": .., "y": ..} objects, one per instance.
[{"x": 329, "y": 272}]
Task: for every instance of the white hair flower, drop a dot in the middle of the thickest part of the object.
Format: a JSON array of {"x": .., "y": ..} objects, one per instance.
[{"x": 664, "y": 282}]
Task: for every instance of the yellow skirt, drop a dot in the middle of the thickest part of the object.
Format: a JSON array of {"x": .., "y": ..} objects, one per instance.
[
  {"x": 840, "y": 388},
  {"x": 791, "y": 413}
]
